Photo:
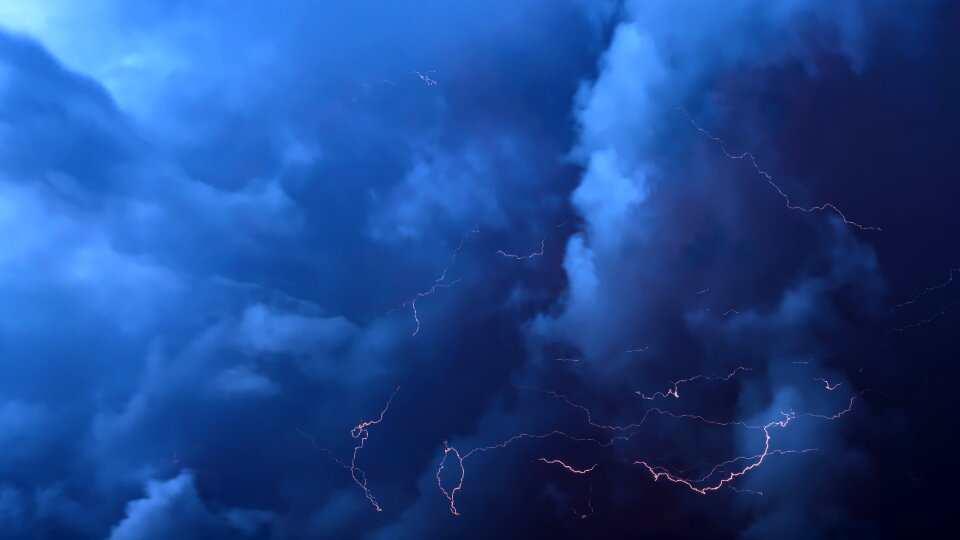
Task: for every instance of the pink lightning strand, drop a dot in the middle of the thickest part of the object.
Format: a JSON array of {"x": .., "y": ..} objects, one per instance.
[
  {"x": 718, "y": 467},
  {"x": 754, "y": 462},
  {"x": 827, "y": 384},
  {"x": 461, "y": 459},
  {"x": 439, "y": 283},
  {"x": 523, "y": 257},
  {"x": 929, "y": 319},
  {"x": 928, "y": 290},
  {"x": 674, "y": 390},
  {"x": 923, "y": 293},
  {"x": 589, "y": 512},
  {"x": 626, "y": 432},
  {"x": 570, "y": 468},
  {"x": 769, "y": 177},
  {"x": 360, "y": 433}
]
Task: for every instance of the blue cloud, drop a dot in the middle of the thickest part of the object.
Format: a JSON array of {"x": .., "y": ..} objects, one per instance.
[{"x": 213, "y": 219}]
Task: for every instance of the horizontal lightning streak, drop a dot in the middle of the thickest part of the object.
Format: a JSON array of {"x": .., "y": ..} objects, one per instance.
[
  {"x": 523, "y": 257},
  {"x": 568, "y": 467},
  {"x": 627, "y": 431},
  {"x": 929, "y": 319},
  {"x": 674, "y": 391},
  {"x": 461, "y": 458},
  {"x": 660, "y": 472}
]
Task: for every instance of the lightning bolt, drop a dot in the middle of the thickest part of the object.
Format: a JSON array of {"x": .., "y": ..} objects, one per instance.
[
  {"x": 754, "y": 462},
  {"x": 438, "y": 283},
  {"x": 923, "y": 293},
  {"x": 826, "y": 383},
  {"x": 462, "y": 458},
  {"x": 702, "y": 485},
  {"x": 360, "y": 433},
  {"x": 523, "y": 257},
  {"x": 718, "y": 467},
  {"x": 425, "y": 77},
  {"x": 674, "y": 390},
  {"x": 568, "y": 467},
  {"x": 929, "y": 319},
  {"x": 928, "y": 290},
  {"x": 786, "y": 198}
]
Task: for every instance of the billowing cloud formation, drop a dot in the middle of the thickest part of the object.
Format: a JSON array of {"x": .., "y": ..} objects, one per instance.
[{"x": 222, "y": 225}]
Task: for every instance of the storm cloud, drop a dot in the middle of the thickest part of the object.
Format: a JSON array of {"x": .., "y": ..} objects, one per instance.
[{"x": 232, "y": 231}]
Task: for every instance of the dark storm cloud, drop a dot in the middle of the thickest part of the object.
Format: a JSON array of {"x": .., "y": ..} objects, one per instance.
[
  {"x": 667, "y": 215},
  {"x": 216, "y": 228},
  {"x": 215, "y": 217}
]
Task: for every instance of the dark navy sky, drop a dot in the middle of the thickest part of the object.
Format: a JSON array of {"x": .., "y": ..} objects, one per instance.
[{"x": 493, "y": 236}]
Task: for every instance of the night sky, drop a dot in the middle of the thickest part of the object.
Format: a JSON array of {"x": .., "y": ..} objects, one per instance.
[{"x": 432, "y": 269}]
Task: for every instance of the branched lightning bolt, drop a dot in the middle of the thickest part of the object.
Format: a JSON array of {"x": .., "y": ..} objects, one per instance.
[
  {"x": 755, "y": 461},
  {"x": 360, "y": 433},
  {"x": 841, "y": 412},
  {"x": 674, "y": 390},
  {"x": 701, "y": 485},
  {"x": 720, "y": 466},
  {"x": 425, "y": 77},
  {"x": 523, "y": 257},
  {"x": 439, "y": 283},
  {"x": 448, "y": 451},
  {"x": 786, "y": 198},
  {"x": 827, "y": 384}
]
